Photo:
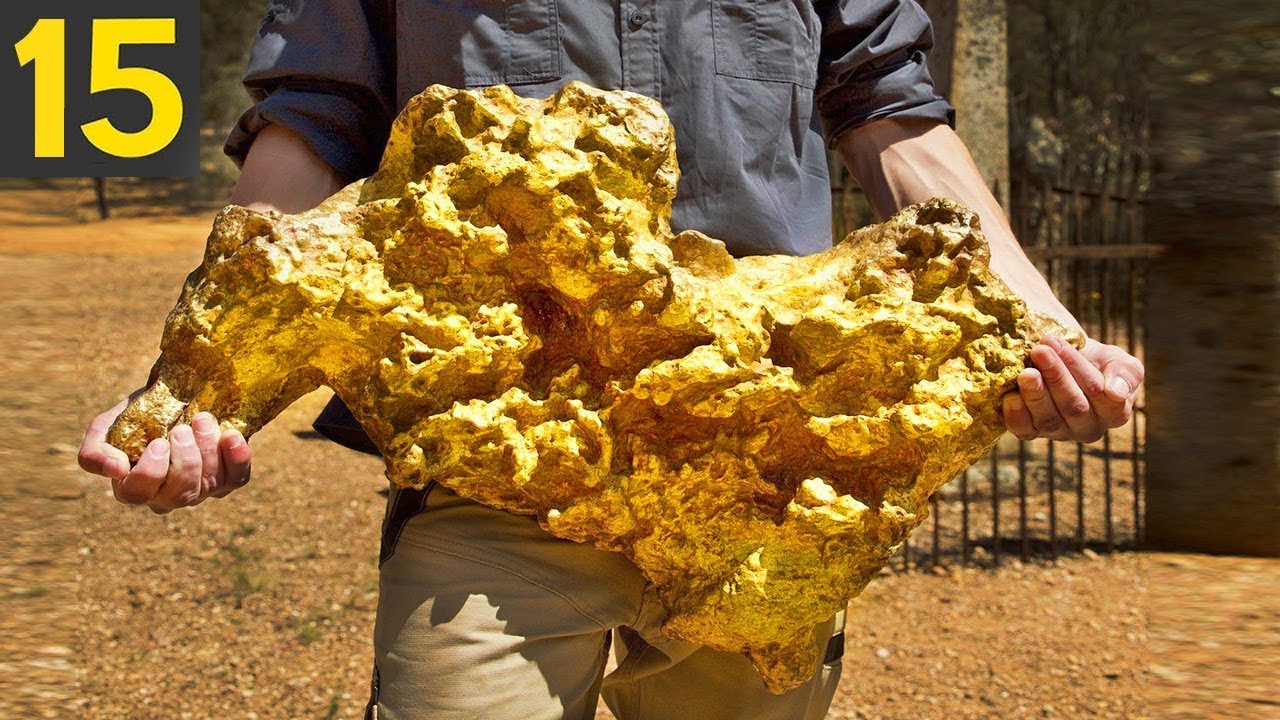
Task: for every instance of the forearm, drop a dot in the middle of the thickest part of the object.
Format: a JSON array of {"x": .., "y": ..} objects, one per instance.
[
  {"x": 900, "y": 162},
  {"x": 282, "y": 173}
]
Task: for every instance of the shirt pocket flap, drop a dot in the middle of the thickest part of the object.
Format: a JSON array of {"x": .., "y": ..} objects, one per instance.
[
  {"x": 773, "y": 40},
  {"x": 483, "y": 42}
]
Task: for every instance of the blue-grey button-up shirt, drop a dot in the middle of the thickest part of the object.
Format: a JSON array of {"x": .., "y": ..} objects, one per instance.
[{"x": 752, "y": 87}]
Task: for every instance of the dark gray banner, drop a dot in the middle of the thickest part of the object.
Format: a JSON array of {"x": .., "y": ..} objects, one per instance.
[{"x": 100, "y": 89}]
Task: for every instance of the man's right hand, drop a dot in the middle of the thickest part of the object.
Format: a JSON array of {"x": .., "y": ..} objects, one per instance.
[
  {"x": 198, "y": 461},
  {"x": 195, "y": 462}
]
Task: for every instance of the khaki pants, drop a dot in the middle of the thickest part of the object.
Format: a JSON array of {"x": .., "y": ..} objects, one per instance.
[{"x": 484, "y": 615}]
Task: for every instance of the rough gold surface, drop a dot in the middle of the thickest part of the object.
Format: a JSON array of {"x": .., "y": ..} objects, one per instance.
[{"x": 506, "y": 311}]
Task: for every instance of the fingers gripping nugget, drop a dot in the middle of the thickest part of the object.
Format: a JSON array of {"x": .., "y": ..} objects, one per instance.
[{"x": 506, "y": 310}]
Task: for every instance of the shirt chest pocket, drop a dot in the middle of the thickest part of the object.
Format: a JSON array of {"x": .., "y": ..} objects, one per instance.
[
  {"x": 484, "y": 42},
  {"x": 773, "y": 40}
]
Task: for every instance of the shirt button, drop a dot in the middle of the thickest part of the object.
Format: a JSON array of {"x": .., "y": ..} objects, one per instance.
[{"x": 637, "y": 20}]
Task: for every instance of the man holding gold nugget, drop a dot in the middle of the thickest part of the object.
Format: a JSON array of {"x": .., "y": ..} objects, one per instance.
[{"x": 482, "y": 614}]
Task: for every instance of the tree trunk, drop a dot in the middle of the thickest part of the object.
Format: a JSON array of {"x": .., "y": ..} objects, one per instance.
[
  {"x": 970, "y": 67},
  {"x": 100, "y": 191}
]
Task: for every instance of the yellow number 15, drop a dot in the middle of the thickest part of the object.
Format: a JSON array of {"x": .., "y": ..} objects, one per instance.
[{"x": 46, "y": 45}]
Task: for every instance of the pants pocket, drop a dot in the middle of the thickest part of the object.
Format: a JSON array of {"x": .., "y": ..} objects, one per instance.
[
  {"x": 402, "y": 505},
  {"x": 835, "y": 645}
]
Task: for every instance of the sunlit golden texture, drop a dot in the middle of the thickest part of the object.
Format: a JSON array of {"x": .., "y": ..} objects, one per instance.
[{"x": 505, "y": 309}]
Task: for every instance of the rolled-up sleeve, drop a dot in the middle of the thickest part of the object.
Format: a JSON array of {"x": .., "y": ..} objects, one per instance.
[
  {"x": 324, "y": 69},
  {"x": 872, "y": 65}
]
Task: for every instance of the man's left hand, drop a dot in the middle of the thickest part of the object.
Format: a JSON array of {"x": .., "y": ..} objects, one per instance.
[{"x": 1073, "y": 395}]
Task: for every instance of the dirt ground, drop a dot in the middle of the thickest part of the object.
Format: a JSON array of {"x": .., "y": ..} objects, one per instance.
[{"x": 261, "y": 605}]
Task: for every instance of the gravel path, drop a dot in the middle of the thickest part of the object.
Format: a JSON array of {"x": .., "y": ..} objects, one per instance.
[{"x": 261, "y": 605}]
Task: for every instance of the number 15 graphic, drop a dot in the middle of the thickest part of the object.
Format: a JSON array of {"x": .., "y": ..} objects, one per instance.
[{"x": 45, "y": 46}]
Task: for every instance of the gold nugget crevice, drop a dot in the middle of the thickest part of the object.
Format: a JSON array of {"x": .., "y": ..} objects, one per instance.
[{"x": 505, "y": 309}]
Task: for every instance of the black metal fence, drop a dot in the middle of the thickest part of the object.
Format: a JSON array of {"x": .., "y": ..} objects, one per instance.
[{"x": 1040, "y": 499}]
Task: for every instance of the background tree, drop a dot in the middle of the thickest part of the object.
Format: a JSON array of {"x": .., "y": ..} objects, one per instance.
[
  {"x": 227, "y": 28},
  {"x": 1077, "y": 94}
]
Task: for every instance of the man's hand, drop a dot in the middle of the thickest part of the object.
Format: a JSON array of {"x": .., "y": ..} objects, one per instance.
[
  {"x": 199, "y": 461},
  {"x": 195, "y": 462},
  {"x": 1071, "y": 394}
]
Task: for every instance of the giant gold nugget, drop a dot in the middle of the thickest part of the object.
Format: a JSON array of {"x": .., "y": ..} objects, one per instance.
[{"x": 505, "y": 309}]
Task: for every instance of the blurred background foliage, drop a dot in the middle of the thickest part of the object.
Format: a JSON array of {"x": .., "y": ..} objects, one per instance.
[
  {"x": 1077, "y": 94},
  {"x": 227, "y": 28}
]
